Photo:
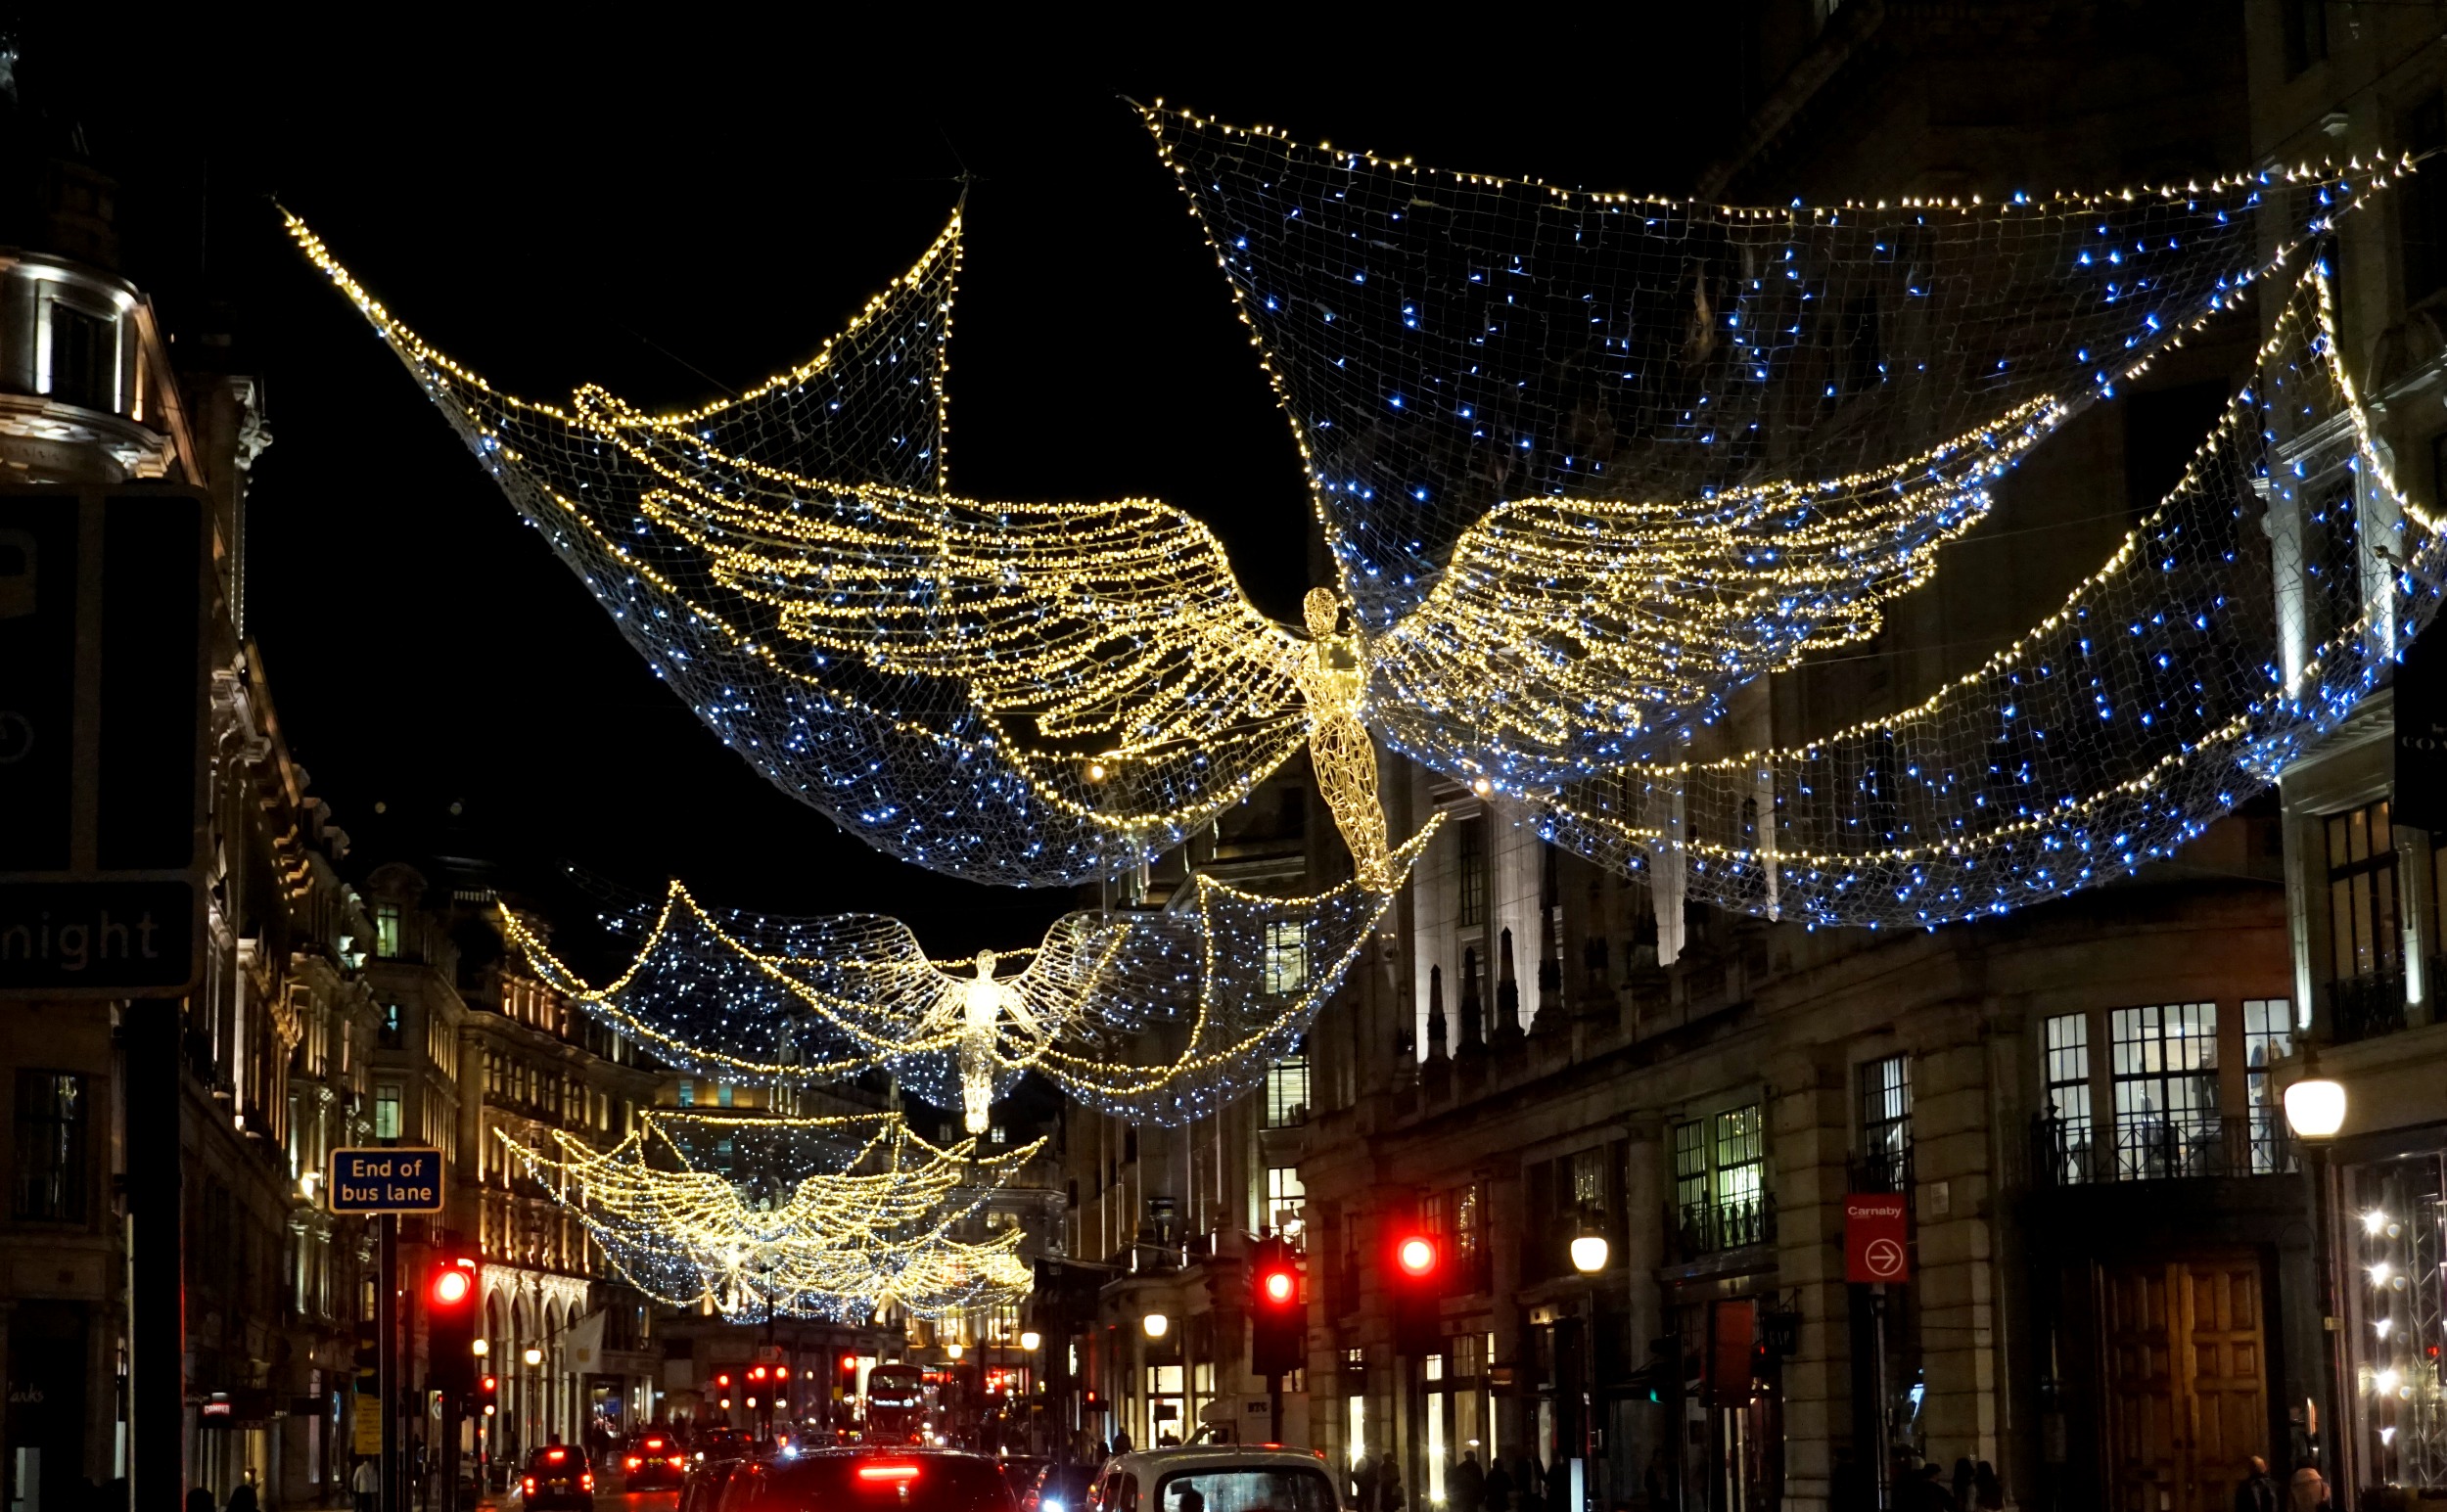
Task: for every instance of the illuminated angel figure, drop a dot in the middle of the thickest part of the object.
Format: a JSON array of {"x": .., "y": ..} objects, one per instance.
[
  {"x": 983, "y": 1003},
  {"x": 1153, "y": 1015},
  {"x": 1587, "y": 465}
]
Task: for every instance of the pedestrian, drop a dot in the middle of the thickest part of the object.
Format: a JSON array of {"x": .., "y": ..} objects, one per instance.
[
  {"x": 368, "y": 1484},
  {"x": 200, "y": 1499},
  {"x": 2259, "y": 1490},
  {"x": 1499, "y": 1487},
  {"x": 1388, "y": 1489},
  {"x": 1363, "y": 1483},
  {"x": 1991, "y": 1492},
  {"x": 1466, "y": 1490},
  {"x": 1964, "y": 1476},
  {"x": 1122, "y": 1441},
  {"x": 2308, "y": 1490},
  {"x": 1847, "y": 1488},
  {"x": 241, "y": 1495}
]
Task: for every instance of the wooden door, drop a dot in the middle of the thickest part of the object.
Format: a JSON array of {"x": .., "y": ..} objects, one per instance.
[{"x": 2186, "y": 1390}]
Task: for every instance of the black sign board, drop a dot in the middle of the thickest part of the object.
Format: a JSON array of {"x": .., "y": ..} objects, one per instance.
[
  {"x": 104, "y": 677},
  {"x": 385, "y": 1178},
  {"x": 2420, "y": 800}
]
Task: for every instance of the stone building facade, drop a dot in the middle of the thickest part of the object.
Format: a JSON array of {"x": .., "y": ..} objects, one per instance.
[{"x": 2118, "y": 1289}]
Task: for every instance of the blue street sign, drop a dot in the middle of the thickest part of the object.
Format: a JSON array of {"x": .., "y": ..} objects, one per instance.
[{"x": 386, "y": 1180}]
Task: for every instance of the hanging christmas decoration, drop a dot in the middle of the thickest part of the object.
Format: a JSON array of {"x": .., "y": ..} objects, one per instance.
[
  {"x": 2239, "y": 622},
  {"x": 760, "y": 1215},
  {"x": 1159, "y": 1015}
]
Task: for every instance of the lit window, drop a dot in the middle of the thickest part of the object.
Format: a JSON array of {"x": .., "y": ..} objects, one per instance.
[
  {"x": 386, "y": 1111},
  {"x": 51, "y": 1144},
  {"x": 2069, "y": 1093},
  {"x": 1283, "y": 1197},
  {"x": 1287, "y": 1092},
  {"x": 687, "y": 1093},
  {"x": 386, "y": 930},
  {"x": 722, "y": 1095},
  {"x": 2268, "y": 1037},
  {"x": 1886, "y": 1123},
  {"x": 1286, "y": 957},
  {"x": 2165, "y": 1065}
]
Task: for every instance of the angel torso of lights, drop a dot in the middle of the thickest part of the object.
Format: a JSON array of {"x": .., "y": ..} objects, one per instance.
[
  {"x": 1340, "y": 748},
  {"x": 984, "y": 1003}
]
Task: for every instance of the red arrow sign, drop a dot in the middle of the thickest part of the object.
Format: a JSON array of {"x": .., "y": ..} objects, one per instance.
[{"x": 1876, "y": 1238}]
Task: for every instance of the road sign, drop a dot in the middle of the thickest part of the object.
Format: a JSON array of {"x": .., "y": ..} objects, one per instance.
[
  {"x": 1876, "y": 1237},
  {"x": 385, "y": 1180},
  {"x": 105, "y": 599}
]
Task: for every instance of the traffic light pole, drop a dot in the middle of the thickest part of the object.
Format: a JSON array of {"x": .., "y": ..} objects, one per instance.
[{"x": 387, "y": 1356}]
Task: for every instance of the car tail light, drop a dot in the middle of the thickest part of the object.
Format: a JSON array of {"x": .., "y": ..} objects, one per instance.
[
  {"x": 634, "y": 1462},
  {"x": 556, "y": 1456},
  {"x": 676, "y": 1461},
  {"x": 586, "y": 1482},
  {"x": 529, "y": 1482},
  {"x": 890, "y": 1473}
]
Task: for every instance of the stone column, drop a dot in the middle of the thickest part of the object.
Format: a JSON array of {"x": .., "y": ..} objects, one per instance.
[
  {"x": 1808, "y": 1140},
  {"x": 1955, "y": 1175}
]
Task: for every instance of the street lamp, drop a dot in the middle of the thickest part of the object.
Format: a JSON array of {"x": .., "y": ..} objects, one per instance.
[
  {"x": 1156, "y": 1324},
  {"x": 1030, "y": 1339},
  {"x": 955, "y": 1350},
  {"x": 2315, "y": 1110},
  {"x": 533, "y": 1356},
  {"x": 1589, "y": 1253}
]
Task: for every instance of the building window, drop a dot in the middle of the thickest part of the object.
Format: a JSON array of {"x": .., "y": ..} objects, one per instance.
[
  {"x": 687, "y": 1093},
  {"x": 2302, "y": 27},
  {"x": 386, "y": 1111},
  {"x": 1286, "y": 957},
  {"x": 2164, "y": 1065},
  {"x": 1740, "y": 1177},
  {"x": 722, "y": 1095},
  {"x": 2422, "y": 213},
  {"x": 1886, "y": 1124},
  {"x": 82, "y": 357},
  {"x": 392, "y": 1030},
  {"x": 1283, "y": 1197},
  {"x": 386, "y": 930},
  {"x": 1471, "y": 871},
  {"x": 2069, "y": 1095},
  {"x": 2268, "y": 1037},
  {"x": 2365, "y": 967},
  {"x": 1469, "y": 1237},
  {"x": 1287, "y": 1092},
  {"x": 1690, "y": 1184},
  {"x": 51, "y": 1176}
]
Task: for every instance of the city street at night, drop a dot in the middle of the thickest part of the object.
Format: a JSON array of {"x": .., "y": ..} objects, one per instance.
[{"x": 1683, "y": 759}]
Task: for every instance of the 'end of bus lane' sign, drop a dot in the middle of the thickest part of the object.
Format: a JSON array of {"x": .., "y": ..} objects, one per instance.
[{"x": 385, "y": 1180}]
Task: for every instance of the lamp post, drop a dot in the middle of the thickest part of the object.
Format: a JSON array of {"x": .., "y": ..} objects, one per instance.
[
  {"x": 2315, "y": 1110},
  {"x": 1589, "y": 1253}
]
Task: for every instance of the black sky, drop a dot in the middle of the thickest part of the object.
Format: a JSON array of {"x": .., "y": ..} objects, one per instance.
[{"x": 638, "y": 207}]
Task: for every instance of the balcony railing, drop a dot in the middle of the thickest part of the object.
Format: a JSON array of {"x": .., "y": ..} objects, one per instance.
[
  {"x": 1707, "y": 1227},
  {"x": 2074, "y": 1151},
  {"x": 2368, "y": 1006}
]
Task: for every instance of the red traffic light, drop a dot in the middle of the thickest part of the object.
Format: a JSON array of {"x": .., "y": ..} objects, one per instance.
[
  {"x": 489, "y": 1384},
  {"x": 1278, "y": 1286},
  {"x": 850, "y": 1363},
  {"x": 451, "y": 1286},
  {"x": 723, "y": 1379},
  {"x": 1416, "y": 1256},
  {"x": 756, "y": 1374}
]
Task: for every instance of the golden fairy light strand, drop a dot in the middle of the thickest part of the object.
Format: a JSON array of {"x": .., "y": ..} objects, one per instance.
[{"x": 832, "y": 1217}]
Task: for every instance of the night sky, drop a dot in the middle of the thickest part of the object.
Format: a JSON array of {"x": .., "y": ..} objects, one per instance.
[{"x": 664, "y": 210}]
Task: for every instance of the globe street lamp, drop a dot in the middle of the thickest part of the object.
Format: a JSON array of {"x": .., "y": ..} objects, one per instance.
[
  {"x": 1030, "y": 1339},
  {"x": 2315, "y": 1110},
  {"x": 1590, "y": 1251},
  {"x": 1156, "y": 1324}
]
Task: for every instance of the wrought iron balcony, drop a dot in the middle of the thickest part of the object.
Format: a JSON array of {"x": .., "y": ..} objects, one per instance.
[
  {"x": 2075, "y": 1151},
  {"x": 2368, "y": 1006},
  {"x": 1707, "y": 1227}
]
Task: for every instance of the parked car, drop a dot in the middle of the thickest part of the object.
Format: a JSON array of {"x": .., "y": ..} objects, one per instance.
[
  {"x": 653, "y": 1459},
  {"x": 1214, "y": 1478},
  {"x": 558, "y": 1475}
]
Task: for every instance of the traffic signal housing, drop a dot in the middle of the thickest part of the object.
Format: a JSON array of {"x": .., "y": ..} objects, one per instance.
[
  {"x": 451, "y": 1326},
  {"x": 1278, "y": 1314},
  {"x": 488, "y": 1392},
  {"x": 1418, "y": 1272}
]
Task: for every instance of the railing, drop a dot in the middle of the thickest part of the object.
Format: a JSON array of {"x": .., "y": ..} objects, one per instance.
[
  {"x": 2368, "y": 1006},
  {"x": 1707, "y": 1227},
  {"x": 1883, "y": 1171},
  {"x": 2066, "y": 1152}
]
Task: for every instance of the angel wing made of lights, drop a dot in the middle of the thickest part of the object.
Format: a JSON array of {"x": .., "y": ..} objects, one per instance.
[
  {"x": 837, "y": 1216},
  {"x": 1152, "y": 1014}
]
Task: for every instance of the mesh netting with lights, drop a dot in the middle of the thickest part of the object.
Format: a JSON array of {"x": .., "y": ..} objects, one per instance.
[
  {"x": 758, "y": 1215},
  {"x": 2173, "y": 683},
  {"x": 1157, "y": 1016}
]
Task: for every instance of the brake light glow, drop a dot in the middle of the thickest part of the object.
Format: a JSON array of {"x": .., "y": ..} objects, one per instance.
[
  {"x": 634, "y": 1462},
  {"x": 529, "y": 1482},
  {"x": 897, "y": 1472},
  {"x": 676, "y": 1462},
  {"x": 586, "y": 1480},
  {"x": 556, "y": 1456}
]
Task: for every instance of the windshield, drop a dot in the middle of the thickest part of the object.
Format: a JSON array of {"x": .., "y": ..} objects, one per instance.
[{"x": 1246, "y": 1489}]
